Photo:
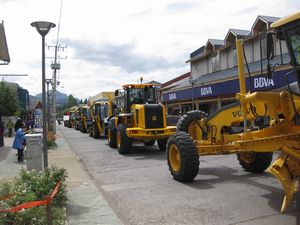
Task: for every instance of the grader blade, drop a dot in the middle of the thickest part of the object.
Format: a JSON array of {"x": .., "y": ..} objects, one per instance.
[{"x": 280, "y": 169}]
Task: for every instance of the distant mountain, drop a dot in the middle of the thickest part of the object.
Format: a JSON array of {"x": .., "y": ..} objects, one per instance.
[{"x": 61, "y": 98}]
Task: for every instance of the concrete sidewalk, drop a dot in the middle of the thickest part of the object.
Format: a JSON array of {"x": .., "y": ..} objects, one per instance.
[{"x": 86, "y": 204}]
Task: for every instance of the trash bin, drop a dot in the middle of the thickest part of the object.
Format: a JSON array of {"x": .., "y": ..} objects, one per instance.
[{"x": 34, "y": 152}]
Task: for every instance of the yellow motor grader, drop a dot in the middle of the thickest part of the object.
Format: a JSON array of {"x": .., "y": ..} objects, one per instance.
[
  {"x": 141, "y": 119},
  {"x": 253, "y": 128}
]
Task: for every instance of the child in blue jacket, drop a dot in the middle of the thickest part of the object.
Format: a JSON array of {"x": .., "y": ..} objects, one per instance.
[{"x": 19, "y": 141}]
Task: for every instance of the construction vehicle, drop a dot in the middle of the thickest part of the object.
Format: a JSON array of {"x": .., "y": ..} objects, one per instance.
[
  {"x": 82, "y": 118},
  {"x": 85, "y": 118},
  {"x": 259, "y": 124},
  {"x": 69, "y": 117},
  {"x": 141, "y": 119},
  {"x": 100, "y": 112},
  {"x": 77, "y": 119}
]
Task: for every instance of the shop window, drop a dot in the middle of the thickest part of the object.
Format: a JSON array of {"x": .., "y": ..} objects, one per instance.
[
  {"x": 263, "y": 46},
  {"x": 216, "y": 65},
  {"x": 234, "y": 57},
  {"x": 213, "y": 107},
  {"x": 186, "y": 108},
  {"x": 227, "y": 102},
  {"x": 204, "y": 107}
]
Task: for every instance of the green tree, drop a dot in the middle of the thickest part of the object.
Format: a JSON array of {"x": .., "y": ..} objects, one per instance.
[
  {"x": 9, "y": 104},
  {"x": 71, "y": 101},
  {"x": 85, "y": 101}
]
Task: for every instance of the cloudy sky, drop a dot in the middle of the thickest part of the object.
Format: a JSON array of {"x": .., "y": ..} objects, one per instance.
[{"x": 110, "y": 43}]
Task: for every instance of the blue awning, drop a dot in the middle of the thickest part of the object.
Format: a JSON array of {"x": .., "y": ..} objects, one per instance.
[{"x": 231, "y": 87}]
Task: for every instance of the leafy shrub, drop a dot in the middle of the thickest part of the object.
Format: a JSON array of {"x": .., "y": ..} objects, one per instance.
[
  {"x": 34, "y": 186},
  {"x": 51, "y": 140}
]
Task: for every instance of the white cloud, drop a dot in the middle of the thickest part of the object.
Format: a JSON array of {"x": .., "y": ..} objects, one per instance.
[{"x": 115, "y": 42}]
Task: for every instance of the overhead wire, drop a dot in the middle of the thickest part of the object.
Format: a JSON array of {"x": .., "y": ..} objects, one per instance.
[
  {"x": 59, "y": 20},
  {"x": 58, "y": 29}
]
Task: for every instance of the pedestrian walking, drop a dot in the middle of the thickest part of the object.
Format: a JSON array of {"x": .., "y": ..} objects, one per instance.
[
  {"x": 10, "y": 127},
  {"x": 20, "y": 141}
]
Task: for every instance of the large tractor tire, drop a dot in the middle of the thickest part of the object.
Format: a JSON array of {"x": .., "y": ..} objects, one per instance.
[
  {"x": 112, "y": 137},
  {"x": 124, "y": 143},
  {"x": 149, "y": 142},
  {"x": 162, "y": 144},
  {"x": 255, "y": 162},
  {"x": 96, "y": 133},
  {"x": 188, "y": 123},
  {"x": 183, "y": 158}
]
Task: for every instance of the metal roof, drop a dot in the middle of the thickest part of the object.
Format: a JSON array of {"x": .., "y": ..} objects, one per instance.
[
  {"x": 266, "y": 19},
  {"x": 238, "y": 33},
  {"x": 177, "y": 83},
  {"x": 216, "y": 43},
  {"x": 170, "y": 83},
  {"x": 269, "y": 19},
  {"x": 197, "y": 52}
]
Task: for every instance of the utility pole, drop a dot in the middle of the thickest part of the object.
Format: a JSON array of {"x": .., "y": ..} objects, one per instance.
[
  {"x": 48, "y": 81},
  {"x": 55, "y": 66}
]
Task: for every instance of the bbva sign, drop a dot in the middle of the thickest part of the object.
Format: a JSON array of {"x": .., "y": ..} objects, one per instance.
[
  {"x": 263, "y": 82},
  {"x": 172, "y": 96}
]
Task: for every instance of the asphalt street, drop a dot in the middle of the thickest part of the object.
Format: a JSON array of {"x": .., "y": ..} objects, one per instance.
[{"x": 141, "y": 190}]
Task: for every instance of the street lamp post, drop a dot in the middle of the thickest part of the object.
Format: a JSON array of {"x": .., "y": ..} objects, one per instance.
[
  {"x": 48, "y": 81},
  {"x": 43, "y": 28}
]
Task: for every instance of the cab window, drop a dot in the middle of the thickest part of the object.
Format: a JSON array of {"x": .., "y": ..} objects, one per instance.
[{"x": 295, "y": 43}]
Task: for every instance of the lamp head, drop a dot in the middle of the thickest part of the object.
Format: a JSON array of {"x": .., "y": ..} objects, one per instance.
[
  {"x": 48, "y": 81},
  {"x": 43, "y": 27}
]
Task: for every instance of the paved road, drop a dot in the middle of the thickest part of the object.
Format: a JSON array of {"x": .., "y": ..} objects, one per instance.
[{"x": 141, "y": 190}]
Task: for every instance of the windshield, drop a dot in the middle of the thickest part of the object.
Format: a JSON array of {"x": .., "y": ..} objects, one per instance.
[
  {"x": 141, "y": 95},
  {"x": 104, "y": 111},
  {"x": 295, "y": 43},
  {"x": 86, "y": 113},
  {"x": 97, "y": 110}
]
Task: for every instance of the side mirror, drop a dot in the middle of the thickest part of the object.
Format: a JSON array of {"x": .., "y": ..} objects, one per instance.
[
  {"x": 270, "y": 46},
  {"x": 116, "y": 92}
]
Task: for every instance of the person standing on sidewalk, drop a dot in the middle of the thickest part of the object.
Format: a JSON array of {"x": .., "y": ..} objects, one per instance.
[
  {"x": 20, "y": 141},
  {"x": 10, "y": 127}
]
